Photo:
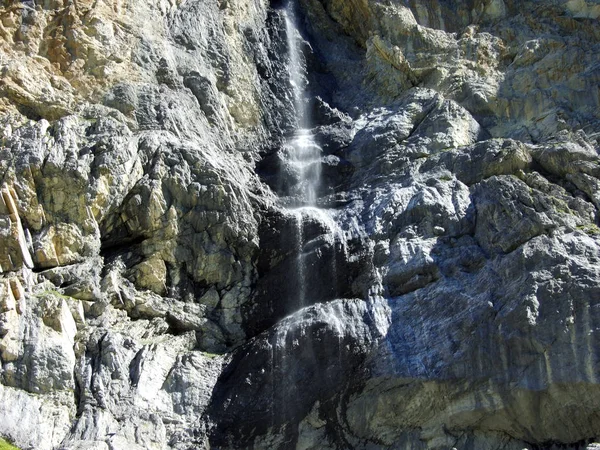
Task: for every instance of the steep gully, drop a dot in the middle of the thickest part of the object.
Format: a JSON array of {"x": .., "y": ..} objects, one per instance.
[
  {"x": 302, "y": 158},
  {"x": 306, "y": 352}
]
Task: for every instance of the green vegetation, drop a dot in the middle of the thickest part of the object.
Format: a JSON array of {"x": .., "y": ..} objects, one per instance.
[
  {"x": 4, "y": 445},
  {"x": 591, "y": 229},
  {"x": 53, "y": 293}
]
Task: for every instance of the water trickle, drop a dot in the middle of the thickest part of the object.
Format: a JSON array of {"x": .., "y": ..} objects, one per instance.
[
  {"x": 303, "y": 153},
  {"x": 300, "y": 262},
  {"x": 302, "y": 158}
]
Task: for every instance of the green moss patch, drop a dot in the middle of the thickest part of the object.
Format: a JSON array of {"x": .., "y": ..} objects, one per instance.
[{"x": 7, "y": 446}]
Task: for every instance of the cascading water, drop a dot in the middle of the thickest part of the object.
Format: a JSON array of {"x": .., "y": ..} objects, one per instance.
[
  {"x": 316, "y": 235},
  {"x": 304, "y": 155},
  {"x": 302, "y": 158}
]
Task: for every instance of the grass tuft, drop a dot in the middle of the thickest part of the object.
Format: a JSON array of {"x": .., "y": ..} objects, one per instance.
[{"x": 7, "y": 446}]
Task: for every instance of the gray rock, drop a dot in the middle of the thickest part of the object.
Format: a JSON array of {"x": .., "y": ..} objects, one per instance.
[{"x": 273, "y": 383}]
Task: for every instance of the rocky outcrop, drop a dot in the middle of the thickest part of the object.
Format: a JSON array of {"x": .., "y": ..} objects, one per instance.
[
  {"x": 130, "y": 210},
  {"x": 157, "y": 291},
  {"x": 518, "y": 67}
]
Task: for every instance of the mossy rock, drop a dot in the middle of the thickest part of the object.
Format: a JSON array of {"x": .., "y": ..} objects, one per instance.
[{"x": 591, "y": 229}]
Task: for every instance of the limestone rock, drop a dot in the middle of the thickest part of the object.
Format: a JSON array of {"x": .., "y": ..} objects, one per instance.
[
  {"x": 14, "y": 247},
  {"x": 35, "y": 421},
  {"x": 495, "y": 58}
]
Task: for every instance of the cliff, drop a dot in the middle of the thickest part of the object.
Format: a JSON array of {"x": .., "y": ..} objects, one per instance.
[{"x": 160, "y": 288}]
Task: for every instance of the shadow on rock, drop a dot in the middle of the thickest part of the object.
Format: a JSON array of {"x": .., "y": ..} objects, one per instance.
[{"x": 273, "y": 382}]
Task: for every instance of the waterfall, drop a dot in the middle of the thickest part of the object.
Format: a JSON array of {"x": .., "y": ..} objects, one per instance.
[
  {"x": 303, "y": 153},
  {"x": 302, "y": 159}
]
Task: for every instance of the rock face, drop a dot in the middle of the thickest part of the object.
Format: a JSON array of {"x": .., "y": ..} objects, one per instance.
[{"x": 156, "y": 292}]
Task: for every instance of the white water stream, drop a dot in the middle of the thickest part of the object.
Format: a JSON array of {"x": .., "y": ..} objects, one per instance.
[
  {"x": 302, "y": 157},
  {"x": 304, "y": 153}
]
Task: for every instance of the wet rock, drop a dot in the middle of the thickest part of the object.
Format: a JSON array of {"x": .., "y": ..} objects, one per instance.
[{"x": 276, "y": 380}]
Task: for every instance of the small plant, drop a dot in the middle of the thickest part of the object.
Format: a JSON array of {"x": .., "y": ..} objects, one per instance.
[
  {"x": 591, "y": 229},
  {"x": 4, "y": 445},
  {"x": 53, "y": 293}
]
